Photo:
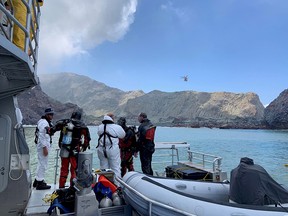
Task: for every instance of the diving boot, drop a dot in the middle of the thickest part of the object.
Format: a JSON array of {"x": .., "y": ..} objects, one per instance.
[
  {"x": 42, "y": 186},
  {"x": 35, "y": 183}
]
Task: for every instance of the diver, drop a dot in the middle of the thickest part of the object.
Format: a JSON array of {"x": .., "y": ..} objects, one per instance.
[
  {"x": 128, "y": 147},
  {"x": 108, "y": 144},
  {"x": 74, "y": 138},
  {"x": 146, "y": 145}
]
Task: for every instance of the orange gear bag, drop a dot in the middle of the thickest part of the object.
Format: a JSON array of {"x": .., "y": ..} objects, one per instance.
[{"x": 107, "y": 183}]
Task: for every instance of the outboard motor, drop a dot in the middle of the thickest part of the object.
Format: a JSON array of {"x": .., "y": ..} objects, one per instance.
[
  {"x": 251, "y": 184},
  {"x": 86, "y": 203}
]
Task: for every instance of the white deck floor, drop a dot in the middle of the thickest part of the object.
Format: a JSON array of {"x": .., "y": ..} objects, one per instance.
[{"x": 36, "y": 205}]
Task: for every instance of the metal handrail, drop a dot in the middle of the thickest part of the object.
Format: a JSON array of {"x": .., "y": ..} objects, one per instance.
[
  {"x": 204, "y": 159},
  {"x": 56, "y": 165},
  {"x": 151, "y": 202},
  {"x": 32, "y": 25},
  {"x": 196, "y": 160},
  {"x": 174, "y": 153}
]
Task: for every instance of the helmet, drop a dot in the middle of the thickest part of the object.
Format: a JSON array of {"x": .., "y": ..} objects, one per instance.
[
  {"x": 76, "y": 115},
  {"x": 121, "y": 121}
]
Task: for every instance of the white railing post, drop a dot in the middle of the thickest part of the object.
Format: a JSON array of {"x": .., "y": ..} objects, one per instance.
[
  {"x": 56, "y": 165},
  {"x": 173, "y": 148}
]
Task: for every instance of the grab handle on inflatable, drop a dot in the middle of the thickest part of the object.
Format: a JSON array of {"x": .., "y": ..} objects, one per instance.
[{"x": 181, "y": 186}]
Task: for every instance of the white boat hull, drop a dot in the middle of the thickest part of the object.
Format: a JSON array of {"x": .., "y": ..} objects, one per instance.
[{"x": 162, "y": 191}]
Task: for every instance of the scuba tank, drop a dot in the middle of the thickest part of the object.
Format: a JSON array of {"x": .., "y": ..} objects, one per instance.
[
  {"x": 67, "y": 131},
  {"x": 115, "y": 194},
  {"x": 117, "y": 200},
  {"x": 105, "y": 202}
]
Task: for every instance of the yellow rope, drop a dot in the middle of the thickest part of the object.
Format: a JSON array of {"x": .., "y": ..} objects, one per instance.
[
  {"x": 204, "y": 179},
  {"x": 178, "y": 176},
  {"x": 50, "y": 197}
]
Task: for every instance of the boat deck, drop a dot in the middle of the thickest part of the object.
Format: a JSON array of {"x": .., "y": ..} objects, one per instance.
[
  {"x": 36, "y": 204},
  {"x": 210, "y": 163}
]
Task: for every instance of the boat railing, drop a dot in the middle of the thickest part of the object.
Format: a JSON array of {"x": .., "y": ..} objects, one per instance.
[
  {"x": 167, "y": 150},
  {"x": 196, "y": 160},
  {"x": 150, "y": 201},
  {"x": 31, "y": 28},
  {"x": 205, "y": 161},
  {"x": 56, "y": 165}
]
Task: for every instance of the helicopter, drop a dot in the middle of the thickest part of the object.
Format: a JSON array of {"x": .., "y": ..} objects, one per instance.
[{"x": 185, "y": 78}]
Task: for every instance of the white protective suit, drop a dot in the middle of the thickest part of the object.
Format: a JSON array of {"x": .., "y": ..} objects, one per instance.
[
  {"x": 43, "y": 140},
  {"x": 113, "y": 160}
]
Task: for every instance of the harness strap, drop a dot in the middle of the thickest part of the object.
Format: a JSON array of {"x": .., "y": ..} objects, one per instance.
[
  {"x": 104, "y": 149},
  {"x": 36, "y": 133},
  {"x": 50, "y": 126},
  {"x": 105, "y": 134}
]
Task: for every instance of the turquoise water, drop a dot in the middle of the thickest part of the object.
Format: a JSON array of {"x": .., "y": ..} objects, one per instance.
[{"x": 266, "y": 147}]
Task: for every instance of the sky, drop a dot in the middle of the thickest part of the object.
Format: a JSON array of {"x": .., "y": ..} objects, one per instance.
[{"x": 224, "y": 45}]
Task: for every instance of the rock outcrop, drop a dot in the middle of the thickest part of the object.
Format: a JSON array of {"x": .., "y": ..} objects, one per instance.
[
  {"x": 34, "y": 101},
  {"x": 276, "y": 113},
  {"x": 197, "y": 109},
  {"x": 182, "y": 109},
  {"x": 94, "y": 97},
  {"x": 186, "y": 108}
]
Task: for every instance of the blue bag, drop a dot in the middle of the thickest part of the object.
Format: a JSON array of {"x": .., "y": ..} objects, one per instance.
[{"x": 100, "y": 191}]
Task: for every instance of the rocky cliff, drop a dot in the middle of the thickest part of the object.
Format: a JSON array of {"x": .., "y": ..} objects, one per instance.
[
  {"x": 34, "y": 101},
  {"x": 187, "y": 108},
  {"x": 276, "y": 113},
  {"x": 94, "y": 97},
  {"x": 198, "y": 109}
]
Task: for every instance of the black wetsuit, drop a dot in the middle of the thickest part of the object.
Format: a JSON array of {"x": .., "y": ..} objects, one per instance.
[{"x": 146, "y": 147}]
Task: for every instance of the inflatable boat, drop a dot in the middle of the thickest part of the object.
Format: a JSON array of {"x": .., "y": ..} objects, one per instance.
[{"x": 261, "y": 196}]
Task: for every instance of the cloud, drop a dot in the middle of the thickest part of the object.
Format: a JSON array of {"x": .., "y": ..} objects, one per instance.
[
  {"x": 69, "y": 29},
  {"x": 180, "y": 13}
]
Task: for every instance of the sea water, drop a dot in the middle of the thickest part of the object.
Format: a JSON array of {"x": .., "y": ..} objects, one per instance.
[{"x": 268, "y": 148}]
